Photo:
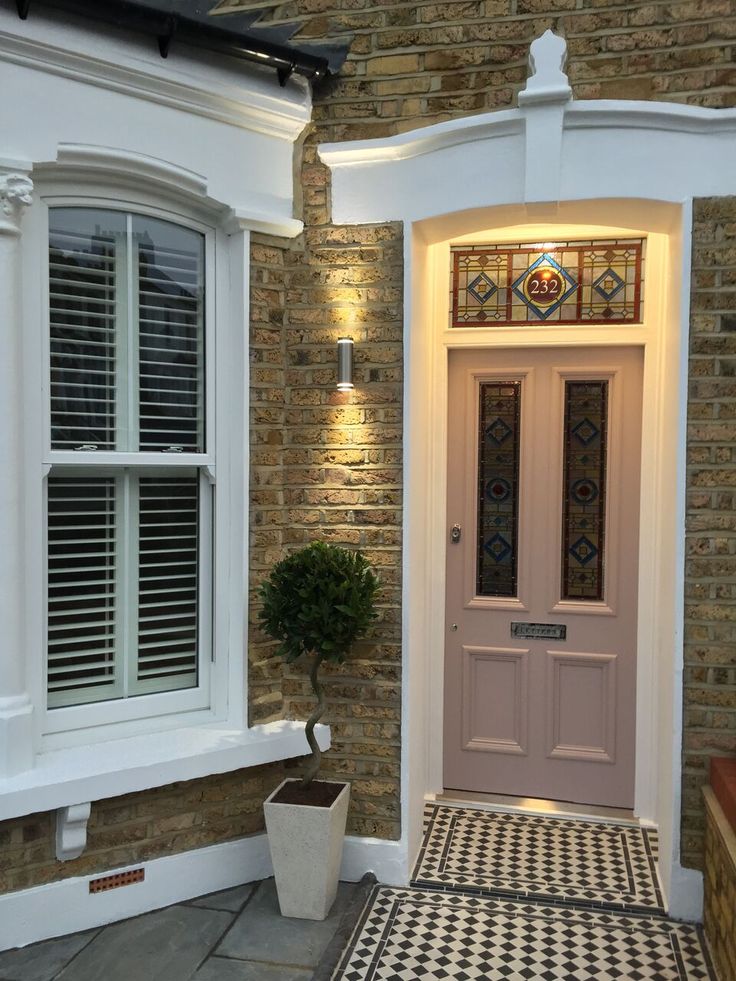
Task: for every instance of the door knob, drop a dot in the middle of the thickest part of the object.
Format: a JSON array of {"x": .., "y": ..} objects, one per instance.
[
  {"x": 456, "y": 534},
  {"x": 453, "y": 626}
]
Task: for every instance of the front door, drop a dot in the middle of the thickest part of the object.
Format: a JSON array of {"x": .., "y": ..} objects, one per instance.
[{"x": 542, "y": 520}]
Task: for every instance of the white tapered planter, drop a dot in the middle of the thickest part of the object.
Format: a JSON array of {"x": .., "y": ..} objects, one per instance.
[{"x": 306, "y": 851}]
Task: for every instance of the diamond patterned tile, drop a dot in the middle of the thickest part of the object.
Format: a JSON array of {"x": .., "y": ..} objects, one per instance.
[
  {"x": 410, "y": 934},
  {"x": 581, "y": 862}
]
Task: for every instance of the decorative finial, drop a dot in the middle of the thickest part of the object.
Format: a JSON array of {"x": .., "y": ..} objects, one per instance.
[{"x": 547, "y": 81}]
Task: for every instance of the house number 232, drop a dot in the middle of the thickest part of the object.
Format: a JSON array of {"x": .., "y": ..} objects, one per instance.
[{"x": 544, "y": 286}]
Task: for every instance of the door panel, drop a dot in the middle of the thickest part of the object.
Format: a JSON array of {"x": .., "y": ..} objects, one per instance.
[{"x": 543, "y": 484}]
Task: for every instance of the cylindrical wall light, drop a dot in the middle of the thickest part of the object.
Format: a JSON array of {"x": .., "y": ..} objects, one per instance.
[{"x": 344, "y": 364}]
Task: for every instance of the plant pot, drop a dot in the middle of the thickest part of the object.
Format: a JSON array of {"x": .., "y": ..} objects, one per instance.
[{"x": 306, "y": 851}]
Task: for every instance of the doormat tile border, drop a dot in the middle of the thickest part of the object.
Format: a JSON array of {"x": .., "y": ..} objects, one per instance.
[
  {"x": 404, "y": 934},
  {"x": 457, "y": 837}
]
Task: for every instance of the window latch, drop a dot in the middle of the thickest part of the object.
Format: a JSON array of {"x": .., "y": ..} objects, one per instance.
[
  {"x": 88, "y": 447},
  {"x": 173, "y": 449}
]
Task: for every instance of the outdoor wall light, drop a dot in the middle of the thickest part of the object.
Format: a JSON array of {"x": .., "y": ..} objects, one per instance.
[{"x": 344, "y": 364}]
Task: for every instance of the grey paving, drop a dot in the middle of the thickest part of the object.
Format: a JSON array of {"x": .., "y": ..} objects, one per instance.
[
  {"x": 168, "y": 945},
  {"x": 43, "y": 961},
  {"x": 229, "y": 899},
  {"x": 223, "y": 969},
  {"x": 261, "y": 934}
]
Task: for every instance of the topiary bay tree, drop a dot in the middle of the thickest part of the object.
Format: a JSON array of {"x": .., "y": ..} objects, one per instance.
[{"x": 318, "y": 601}]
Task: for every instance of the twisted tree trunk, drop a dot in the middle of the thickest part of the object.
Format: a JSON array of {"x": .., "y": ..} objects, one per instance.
[{"x": 313, "y": 766}]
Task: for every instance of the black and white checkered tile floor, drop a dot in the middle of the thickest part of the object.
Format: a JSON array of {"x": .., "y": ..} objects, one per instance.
[
  {"x": 504, "y": 897},
  {"x": 582, "y": 862}
]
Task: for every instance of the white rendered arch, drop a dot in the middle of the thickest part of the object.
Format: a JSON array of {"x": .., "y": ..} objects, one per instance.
[{"x": 550, "y": 168}]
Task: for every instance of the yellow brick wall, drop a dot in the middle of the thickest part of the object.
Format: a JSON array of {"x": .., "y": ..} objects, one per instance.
[{"x": 719, "y": 907}]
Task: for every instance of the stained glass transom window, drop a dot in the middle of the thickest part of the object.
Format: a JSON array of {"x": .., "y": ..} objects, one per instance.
[
  {"x": 584, "y": 490},
  {"x": 552, "y": 282},
  {"x": 498, "y": 488}
]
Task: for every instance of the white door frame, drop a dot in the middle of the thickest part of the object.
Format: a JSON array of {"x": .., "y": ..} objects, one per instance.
[{"x": 663, "y": 337}]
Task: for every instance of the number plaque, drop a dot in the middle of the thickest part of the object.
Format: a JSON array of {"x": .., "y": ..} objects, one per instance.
[{"x": 544, "y": 286}]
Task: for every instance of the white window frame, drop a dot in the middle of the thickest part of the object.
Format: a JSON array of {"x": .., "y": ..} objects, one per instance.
[{"x": 220, "y": 693}]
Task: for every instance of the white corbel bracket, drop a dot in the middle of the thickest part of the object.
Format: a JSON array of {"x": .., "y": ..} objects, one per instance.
[
  {"x": 16, "y": 194},
  {"x": 71, "y": 831}
]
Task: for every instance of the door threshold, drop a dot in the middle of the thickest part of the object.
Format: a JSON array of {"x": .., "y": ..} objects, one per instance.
[{"x": 535, "y": 805}]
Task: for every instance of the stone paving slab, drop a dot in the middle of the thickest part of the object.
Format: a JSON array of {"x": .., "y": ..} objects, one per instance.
[
  {"x": 168, "y": 945},
  {"x": 232, "y": 900},
  {"x": 42, "y": 962},
  {"x": 260, "y": 933},
  {"x": 224, "y": 969}
]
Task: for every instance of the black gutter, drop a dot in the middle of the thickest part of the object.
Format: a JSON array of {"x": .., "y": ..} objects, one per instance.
[{"x": 169, "y": 26}]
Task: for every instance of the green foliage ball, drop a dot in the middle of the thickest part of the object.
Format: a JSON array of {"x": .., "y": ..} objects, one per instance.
[{"x": 320, "y": 599}]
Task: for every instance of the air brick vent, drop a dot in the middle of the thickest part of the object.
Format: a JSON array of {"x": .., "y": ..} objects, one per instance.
[{"x": 117, "y": 880}]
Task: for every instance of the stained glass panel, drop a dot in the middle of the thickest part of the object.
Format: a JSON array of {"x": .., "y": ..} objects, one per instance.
[
  {"x": 552, "y": 282},
  {"x": 584, "y": 490},
  {"x": 498, "y": 488}
]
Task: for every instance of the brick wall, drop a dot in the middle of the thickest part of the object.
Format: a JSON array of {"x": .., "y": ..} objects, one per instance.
[
  {"x": 326, "y": 465},
  {"x": 710, "y": 590},
  {"x": 719, "y": 905},
  {"x": 412, "y": 64},
  {"x": 138, "y": 827}
]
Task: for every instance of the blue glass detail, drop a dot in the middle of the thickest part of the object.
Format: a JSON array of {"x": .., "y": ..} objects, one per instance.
[
  {"x": 498, "y": 430},
  {"x": 586, "y": 431},
  {"x": 497, "y": 547},
  {"x": 584, "y": 491},
  {"x": 476, "y": 288},
  {"x": 498, "y": 489},
  {"x": 608, "y": 284},
  {"x": 545, "y": 312},
  {"x": 583, "y": 550}
]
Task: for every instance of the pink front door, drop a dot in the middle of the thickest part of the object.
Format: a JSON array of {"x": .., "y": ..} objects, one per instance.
[{"x": 542, "y": 580}]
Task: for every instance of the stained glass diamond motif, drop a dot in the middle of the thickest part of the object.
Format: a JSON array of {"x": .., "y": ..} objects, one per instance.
[
  {"x": 586, "y": 431},
  {"x": 482, "y": 288},
  {"x": 498, "y": 548},
  {"x": 569, "y": 285},
  {"x": 583, "y": 550},
  {"x": 584, "y": 489},
  {"x": 498, "y": 488},
  {"x": 596, "y": 282},
  {"x": 608, "y": 284},
  {"x": 499, "y": 431}
]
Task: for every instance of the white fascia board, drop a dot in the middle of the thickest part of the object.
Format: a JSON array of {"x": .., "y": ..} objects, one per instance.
[
  {"x": 189, "y": 80},
  {"x": 122, "y": 766},
  {"x": 415, "y": 143}
]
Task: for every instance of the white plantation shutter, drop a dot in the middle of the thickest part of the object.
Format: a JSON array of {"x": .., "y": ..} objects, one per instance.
[
  {"x": 171, "y": 347},
  {"x": 81, "y": 587},
  {"x": 127, "y": 373},
  {"x": 168, "y": 558},
  {"x": 82, "y": 308}
]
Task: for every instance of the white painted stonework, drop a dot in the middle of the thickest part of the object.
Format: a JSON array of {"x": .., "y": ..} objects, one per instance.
[
  {"x": 92, "y": 116},
  {"x": 552, "y": 169},
  {"x": 16, "y": 745}
]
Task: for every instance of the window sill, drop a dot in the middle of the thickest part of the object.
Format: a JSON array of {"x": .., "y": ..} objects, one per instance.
[{"x": 109, "y": 769}]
